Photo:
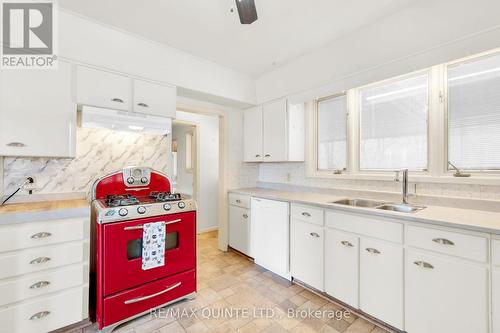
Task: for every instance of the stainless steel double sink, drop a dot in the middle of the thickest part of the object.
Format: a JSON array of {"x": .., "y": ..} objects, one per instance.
[{"x": 365, "y": 203}]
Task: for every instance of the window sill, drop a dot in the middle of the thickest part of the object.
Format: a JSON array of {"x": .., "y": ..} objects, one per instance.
[{"x": 418, "y": 177}]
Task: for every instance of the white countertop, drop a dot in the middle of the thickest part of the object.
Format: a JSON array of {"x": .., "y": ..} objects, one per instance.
[
  {"x": 470, "y": 219},
  {"x": 43, "y": 210}
]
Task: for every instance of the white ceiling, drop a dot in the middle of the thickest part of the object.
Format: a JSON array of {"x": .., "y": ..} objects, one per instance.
[{"x": 285, "y": 30}]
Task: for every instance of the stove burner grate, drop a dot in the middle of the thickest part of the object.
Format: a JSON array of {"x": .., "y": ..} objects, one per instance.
[
  {"x": 116, "y": 200},
  {"x": 165, "y": 196}
]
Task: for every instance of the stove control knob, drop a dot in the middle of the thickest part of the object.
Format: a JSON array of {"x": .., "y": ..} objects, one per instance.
[
  {"x": 141, "y": 209},
  {"x": 144, "y": 180},
  {"x": 130, "y": 180},
  {"x": 123, "y": 212},
  {"x": 181, "y": 205},
  {"x": 167, "y": 206}
]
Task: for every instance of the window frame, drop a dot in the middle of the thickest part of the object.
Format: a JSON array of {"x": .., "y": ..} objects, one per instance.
[
  {"x": 447, "y": 169},
  {"x": 317, "y": 101},
  {"x": 437, "y": 133}
]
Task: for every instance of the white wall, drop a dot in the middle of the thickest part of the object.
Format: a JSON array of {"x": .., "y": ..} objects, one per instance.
[
  {"x": 184, "y": 180},
  {"x": 428, "y": 33},
  {"x": 208, "y": 167},
  {"x": 86, "y": 41}
]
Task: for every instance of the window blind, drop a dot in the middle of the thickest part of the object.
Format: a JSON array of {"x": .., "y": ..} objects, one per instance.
[{"x": 332, "y": 133}]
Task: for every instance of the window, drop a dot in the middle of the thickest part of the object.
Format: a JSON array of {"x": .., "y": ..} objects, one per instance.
[
  {"x": 332, "y": 133},
  {"x": 474, "y": 114},
  {"x": 393, "y": 124}
]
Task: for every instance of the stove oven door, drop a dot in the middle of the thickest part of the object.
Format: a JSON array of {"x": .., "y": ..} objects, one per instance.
[{"x": 123, "y": 251}]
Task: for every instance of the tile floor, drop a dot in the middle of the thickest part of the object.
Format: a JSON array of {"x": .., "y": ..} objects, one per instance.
[{"x": 229, "y": 285}]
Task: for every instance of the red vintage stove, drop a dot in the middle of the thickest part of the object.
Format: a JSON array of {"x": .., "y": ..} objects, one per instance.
[{"x": 122, "y": 203}]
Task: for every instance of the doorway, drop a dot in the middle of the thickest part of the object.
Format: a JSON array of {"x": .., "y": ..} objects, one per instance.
[{"x": 184, "y": 161}]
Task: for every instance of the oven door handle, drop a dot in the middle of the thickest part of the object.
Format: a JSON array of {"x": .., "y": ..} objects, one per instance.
[
  {"x": 136, "y": 227},
  {"x": 143, "y": 298}
]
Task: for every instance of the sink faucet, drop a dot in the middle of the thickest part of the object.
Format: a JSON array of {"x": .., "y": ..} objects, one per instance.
[{"x": 405, "y": 184}]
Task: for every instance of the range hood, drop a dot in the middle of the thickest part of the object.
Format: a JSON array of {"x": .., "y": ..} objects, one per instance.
[{"x": 93, "y": 117}]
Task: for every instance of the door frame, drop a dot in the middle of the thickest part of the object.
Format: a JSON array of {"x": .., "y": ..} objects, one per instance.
[
  {"x": 196, "y": 171},
  {"x": 212, "y": 110}
]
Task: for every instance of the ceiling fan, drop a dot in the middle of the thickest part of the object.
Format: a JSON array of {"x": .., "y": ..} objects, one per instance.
[{"x": 246, "y": 11}]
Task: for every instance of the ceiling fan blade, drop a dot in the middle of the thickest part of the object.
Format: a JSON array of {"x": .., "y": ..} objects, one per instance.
[{"x": 246, "y": 11}]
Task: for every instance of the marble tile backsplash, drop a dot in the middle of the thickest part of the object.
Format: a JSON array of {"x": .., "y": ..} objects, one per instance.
[
  {"x": 295, "y": 174},
  {"x": 98, "y": 152}
]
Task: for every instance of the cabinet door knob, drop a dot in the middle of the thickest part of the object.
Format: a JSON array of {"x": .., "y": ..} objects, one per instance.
[
  {"x": 423, "y": 264},
  {"x": 39, "y": 284},
  {"x": 39, "y": 260},
  {"x": 117, "y": 100},
  {"x": 443, "y": 241},
  {"x": 306, "y": 214},
  {"x": 238, "y": 201},
  {"x": 346, "y": 243},
  {"x": 314, "y": 234},
  {"x": 40, "y": 315},
  {"x": 245, "y": 216},
  {"x": 267, "y": 155},
  {"x": 16, "y": 144},
  {"x": 372, "y": 250},
  {"x": 257, "y": 155},
  {"x": 42, "y": 234},
  {"x": 144, "y": 105}
]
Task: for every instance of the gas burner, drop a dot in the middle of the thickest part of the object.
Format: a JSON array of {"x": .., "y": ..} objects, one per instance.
[
  {"x": 116, "y": 200},
  {"x": 165, "y": 196}
]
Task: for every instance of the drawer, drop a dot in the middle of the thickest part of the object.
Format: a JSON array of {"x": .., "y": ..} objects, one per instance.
[
  {"x": 495, "y": 252},
  {"x": 46, "y": 314},
  {"x": 448, "y": 242},
  {"x": 38, "y": 259},
  {"x": 371, "y": 226},
  {"x": 239, "y": 200},
  {"x": 26, "y": 235},
  {"x": 308, "y": 214},
  {"x": 150, "y": 295},
  {"x": 42, "y": 283}
]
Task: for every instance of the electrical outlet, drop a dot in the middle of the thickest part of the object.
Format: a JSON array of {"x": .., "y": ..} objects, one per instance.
[{"x": 30, "y": 185}]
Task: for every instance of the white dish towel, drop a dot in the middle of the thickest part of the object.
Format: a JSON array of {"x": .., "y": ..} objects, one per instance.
[{"x": 153, "y": 245}]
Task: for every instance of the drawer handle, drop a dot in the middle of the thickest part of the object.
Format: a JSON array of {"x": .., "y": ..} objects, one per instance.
[
  {"x": 143, "y": 298},
  {"x": 372, "y": 250},
  {"x": 16, "y": 144},
  {"x": 245, "y": 216},
  {"x": 267, "y": 155},
  {"x": 314, "y": 234},
  {"x": 39, "y": 260},
  {"x": 423, "y": 264},
  {"x": 39, "y": 285},
  {"x": 257, "y": 155},
  {"x": 346, "y": 243},
  {"x": 42, "y": 234},
  {"x": 306, "y": 214},
  {"x": 144, "y": 105},
  {"x": 137, "y": 227},
  {"x": 443, "y": 241},
  {"x": 117, "y": 100},
  {"x": 238, "y": 201},
  {"x": 40, "y": 315}
]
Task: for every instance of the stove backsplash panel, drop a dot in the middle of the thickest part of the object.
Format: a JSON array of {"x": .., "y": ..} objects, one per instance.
[{"x": 98, "y": 152}]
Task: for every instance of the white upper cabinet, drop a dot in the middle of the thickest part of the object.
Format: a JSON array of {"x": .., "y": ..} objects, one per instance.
[
  {"x": 274, "y": 132},
  {"x": 103, "y": 89},
  {"x": 154, "y": 99},
  {"x": 37, "y": 112},
  {"x": 252, "y": 134}
]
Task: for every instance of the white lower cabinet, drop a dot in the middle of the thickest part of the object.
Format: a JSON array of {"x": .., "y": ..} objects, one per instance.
[
  {"x": 270, "y": 234},
  {"x": 342, "y": 266},
  {"x": 306, "y": 253},
  {"x": 496, "y": 300},
  {"x": 445, "y": 295},
  {"x": 239, "y": 229},
  {"x": 381, "y": 280}
]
